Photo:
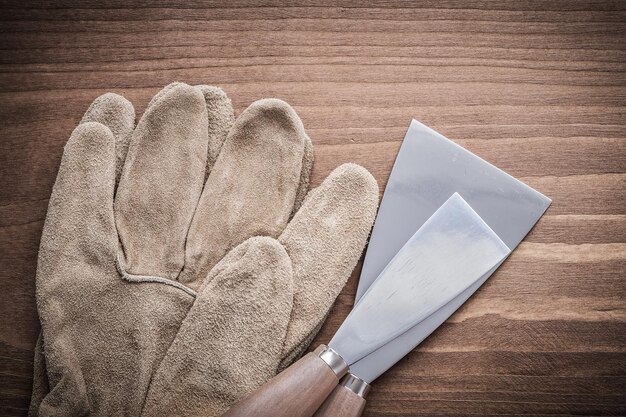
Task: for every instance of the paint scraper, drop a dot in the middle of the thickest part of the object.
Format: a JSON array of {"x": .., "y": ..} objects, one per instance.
[
  {"x": 449, "y": 253},
  {"x": 428, "y": 169}
]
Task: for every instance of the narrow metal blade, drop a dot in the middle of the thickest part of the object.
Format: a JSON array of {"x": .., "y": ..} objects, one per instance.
[
  {"x": 377, "y": 362},
  {"x": 449, "y": 253},
  {"x": 428, "y": 169}
]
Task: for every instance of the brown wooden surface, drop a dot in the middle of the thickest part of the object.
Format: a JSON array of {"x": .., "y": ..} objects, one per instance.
[{"x": 535, "y": 87}]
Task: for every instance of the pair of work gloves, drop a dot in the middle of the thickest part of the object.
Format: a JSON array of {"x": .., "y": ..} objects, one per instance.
[{"x": 182, "y": 262}]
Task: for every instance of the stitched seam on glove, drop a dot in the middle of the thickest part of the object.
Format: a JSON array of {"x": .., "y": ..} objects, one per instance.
[{"x": 152, "y": 278}]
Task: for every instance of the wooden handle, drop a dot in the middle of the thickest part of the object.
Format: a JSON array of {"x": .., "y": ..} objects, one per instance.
[
  {"x": 298, "y": 391},
  {"x": 342, "y": 403}
]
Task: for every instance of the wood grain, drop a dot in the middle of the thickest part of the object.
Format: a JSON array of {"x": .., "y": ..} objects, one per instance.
[{"x": 535, "y": 87}]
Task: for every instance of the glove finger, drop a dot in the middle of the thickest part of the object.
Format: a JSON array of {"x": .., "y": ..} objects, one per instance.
[
  {"x": 325, "y": 240},
  {"x": 305, "y": 175},
  {"x": 80, "y": 212},
  {"x": 252, "y": 188},
  {"x": 221, "y": 117},
  {"x": 118, "y": 114},
  {"x": 162, "y": 181},
  {"x": 158, "y": 96},
  {"x": 231, "y": 340}
]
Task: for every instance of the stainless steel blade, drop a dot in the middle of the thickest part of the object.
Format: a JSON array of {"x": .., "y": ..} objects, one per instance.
[
  {"x": 449, "y": 253},
  {"x": 428, "y": 169},
  {"x": 377, "y": 362}
]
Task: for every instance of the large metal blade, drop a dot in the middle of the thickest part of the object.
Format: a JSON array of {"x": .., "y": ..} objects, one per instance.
[
  {"x": 449, "y": 253},
  {"x": 429, "y": 168}
]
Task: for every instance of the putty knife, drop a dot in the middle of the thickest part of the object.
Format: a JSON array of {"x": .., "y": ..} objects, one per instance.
[
  {"x": 428, "y": 169},
  {"x": 451, "y": 251}
]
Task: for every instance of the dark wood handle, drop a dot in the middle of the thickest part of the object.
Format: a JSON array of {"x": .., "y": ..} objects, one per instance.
[
  {"x": 342, "y": 403},
  {"x": 298, "y": 391}
]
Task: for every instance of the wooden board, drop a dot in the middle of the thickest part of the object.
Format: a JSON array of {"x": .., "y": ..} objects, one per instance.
[{"x": 536, "y": 87}]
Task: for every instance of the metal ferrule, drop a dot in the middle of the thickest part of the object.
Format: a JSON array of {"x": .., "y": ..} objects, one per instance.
[
  {"x": 356, "y": 385},
  {"x": 334, "y": 361}
]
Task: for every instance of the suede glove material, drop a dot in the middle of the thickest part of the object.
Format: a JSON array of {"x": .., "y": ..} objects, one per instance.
[{"x": 199, "y": 276}]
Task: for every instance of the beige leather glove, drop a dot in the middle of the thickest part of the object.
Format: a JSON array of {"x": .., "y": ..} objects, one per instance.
[{"x": 139, "y": 306}]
